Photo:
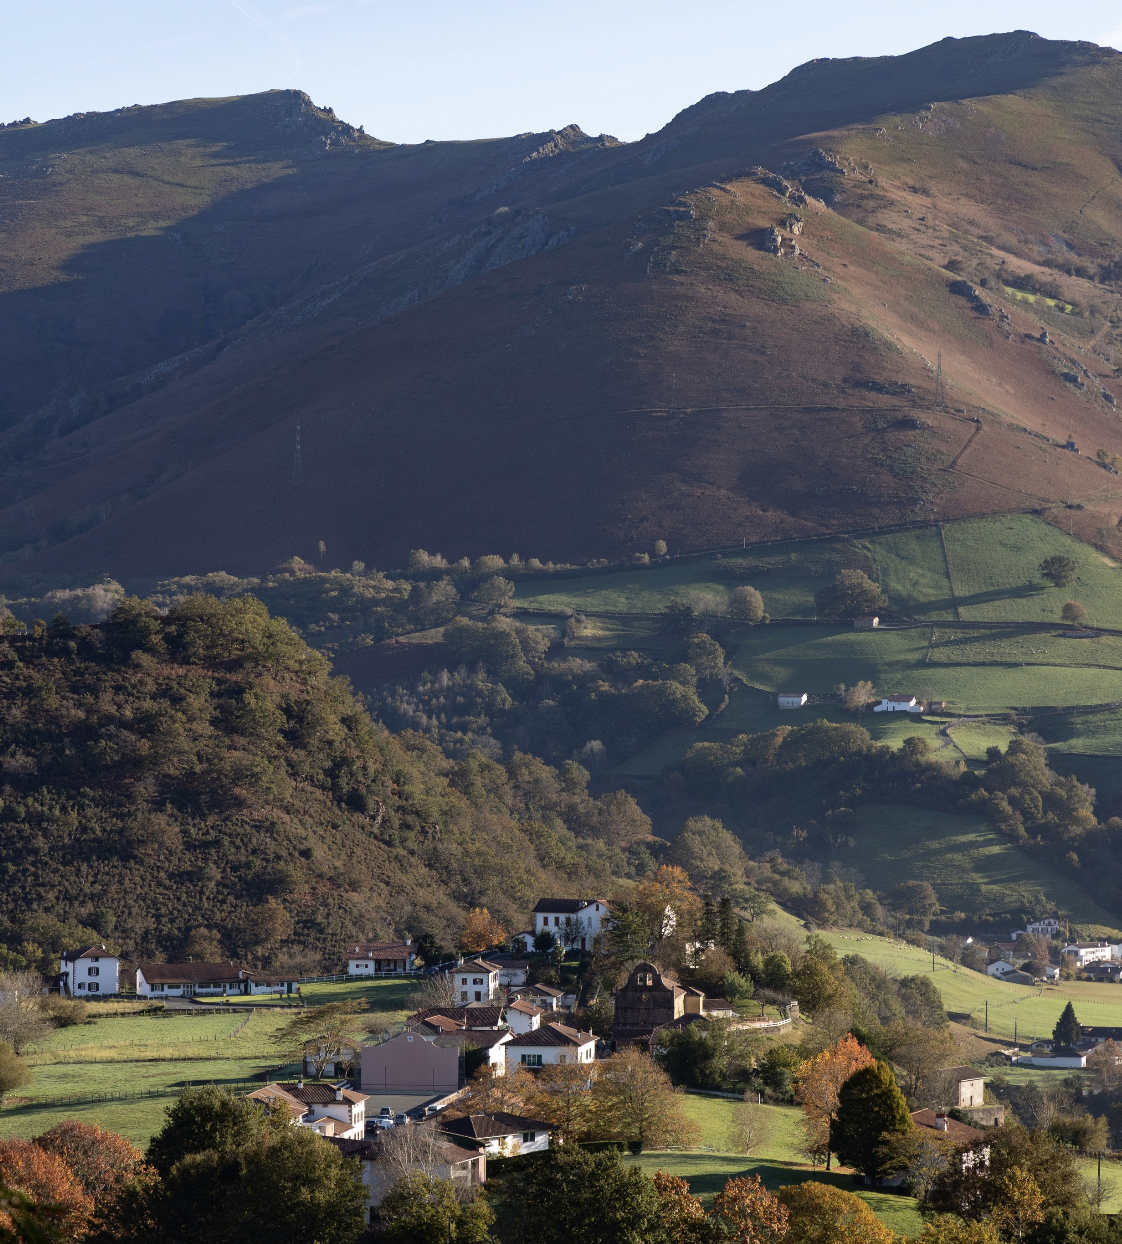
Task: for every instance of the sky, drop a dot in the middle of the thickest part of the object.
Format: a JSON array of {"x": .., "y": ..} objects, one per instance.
[{"x": 409, "y": 70}]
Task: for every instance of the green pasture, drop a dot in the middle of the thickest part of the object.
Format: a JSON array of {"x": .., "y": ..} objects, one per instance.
[
  {"x": 912, "y": 572},
  {"x": 388, "y": 998},
  {"x": 1035, "y": 1008},
  {"x": 1092, "y": 734},
  {"x": 816, "y": 659},
  {"x": 994, "y": 565},
  {"x": 973, "y": 868},
  {"x": 1028, "y": 646},
  {"x": 972, "y": 738},
  {"x": 136, "y": 1118}
]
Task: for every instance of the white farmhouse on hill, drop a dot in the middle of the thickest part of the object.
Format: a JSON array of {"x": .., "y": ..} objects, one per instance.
[
  {"x": 898, "y": 704},
  {"x": 90, "y": 969}
]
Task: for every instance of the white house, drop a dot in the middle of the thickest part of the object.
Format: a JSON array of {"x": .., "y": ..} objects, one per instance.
[
  {"x": 1088, "y": 952},
  {"x": 492, "y": 1043},
  {"x": 500, "y": 1134},
  {"x": 523, "y": 1016},
  {"x": 574, "y": 921},
  {"x": 1051, "y": 972},
  {"x": 868, "y": 622},
  {"x": 186, "y": 980},
  {"x": 551, "y": 1043},
  {"x": 329, "y": 1109},
  {"x": 475, "y": 980},
  {"x": 1000, "y": 968},
  {"x": 512, "y": 972},
  {"x": 546, "y": 997},
  {"x": 792, "y": 699},
  {"x": 380, "y": 958},
  {"x": 1049, "y": 926},
  {"x": 463, "y": 1167},
  {"x": 90, "y": 970},
  {"x": 898, "y": 704}
]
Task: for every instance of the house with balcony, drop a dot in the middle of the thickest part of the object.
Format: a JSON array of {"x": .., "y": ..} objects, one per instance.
[{"x": 89, "y": 971}]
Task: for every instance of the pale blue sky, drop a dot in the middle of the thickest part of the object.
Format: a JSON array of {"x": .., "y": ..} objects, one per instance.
[{"x": 414, "y": 69}]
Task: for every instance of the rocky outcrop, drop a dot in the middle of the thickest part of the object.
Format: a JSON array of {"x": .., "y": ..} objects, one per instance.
[{"x": 974, "y": 295}]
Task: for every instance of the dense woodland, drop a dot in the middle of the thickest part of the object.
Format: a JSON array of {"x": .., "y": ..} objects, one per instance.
[{"x": 198, "y": 781}]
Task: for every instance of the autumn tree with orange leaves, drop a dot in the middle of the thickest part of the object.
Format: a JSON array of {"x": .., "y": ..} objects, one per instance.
[
  {"x": 668, "y": 902},
  {"x": 108, "y": 1167},
  {"x": 749, "y": 1213},
  {"x": 817, "y": 1085},
  {"x": 46, "y": 1180},
  {"x": 481, "y": 931},
  {"x": 684, "y": 1220}
]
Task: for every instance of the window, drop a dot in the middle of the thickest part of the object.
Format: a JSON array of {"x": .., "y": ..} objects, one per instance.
[
  {"x": 556, "y": 922},
  {"x": 463, "y": 980},
  {"x": 531, "y": 1060},
  {"x": 94, "y": 987},
  {"x": 94, "y": 958},
  {"x": 463, "y": 995},
  {"x": 159, "y": 988},
  {"x": 81, "y": 984},
  {"x": 477, "y": 980},
  {"x": 529, "y": 1137},
  {"x": 479, "y": 995},
  {"x": 562, "y": 1058},
  {"x": 93, "y": 971}
]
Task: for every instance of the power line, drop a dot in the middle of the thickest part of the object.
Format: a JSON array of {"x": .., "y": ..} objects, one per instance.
[
  {"x": 940, "y": 391},
  {"x": 297, "y": 461}
]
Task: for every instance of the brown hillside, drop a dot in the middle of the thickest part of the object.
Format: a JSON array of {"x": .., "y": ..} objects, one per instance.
[{"x": 557, "y": 343}]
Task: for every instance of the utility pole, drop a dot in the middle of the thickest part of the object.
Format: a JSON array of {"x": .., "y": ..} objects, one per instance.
[
  {"x": 940, "y": 391},
  {"x": 297, "y": 462},
  {"x": 987, "y": 1015}
]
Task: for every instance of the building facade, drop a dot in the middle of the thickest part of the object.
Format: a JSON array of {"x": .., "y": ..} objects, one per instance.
[{"x": 91, "y": 970}]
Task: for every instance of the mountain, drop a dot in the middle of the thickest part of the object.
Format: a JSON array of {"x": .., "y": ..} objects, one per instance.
[{"x": 241, "y": 329}]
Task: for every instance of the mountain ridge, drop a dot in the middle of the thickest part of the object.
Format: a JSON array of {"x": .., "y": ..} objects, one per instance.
[{"x": 461, "y": 329}]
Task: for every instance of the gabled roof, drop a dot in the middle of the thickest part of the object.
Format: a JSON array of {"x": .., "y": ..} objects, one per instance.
[
  {"x": 542, "y": 991},
  {"x": 553, "y": 1035},
  {"x": 958, "y": 1074},
  {"x": 525, "y": 1008},
  {"x": 899, "y": 699},
  {"x": 565, "y": 906},
  {"x": 955, "y": 1131},
  {"x": 87, "y": 952},
  {"x": 384, "y": 950},
  {"x": 461, "y": 1016},
  {"x": 474, "y": 965},
  {"x": 491, "y": 1124},
  {"x": 320, "y": 1094},
  {"x": 191, "y": 973},
  {"x": 367, "y": 1150},
  {"x": 484, "y": 1040}
]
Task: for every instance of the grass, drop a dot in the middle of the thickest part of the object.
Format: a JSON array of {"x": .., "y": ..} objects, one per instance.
[
  {"x": 1029, "y": 646},
  {"x": 913, "y": 573},
  {"x": 972, "y": 867},
  {"x": 817, "y": 659},
  {"x": 994, "y": 565},
  {"x": 137, "y": 1119},
  {"x": 972, "y": 738},
  {"x": 1035, "y": 1008}
]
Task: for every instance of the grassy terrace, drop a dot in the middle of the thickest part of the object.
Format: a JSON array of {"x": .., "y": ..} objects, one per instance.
[{"x": 162, "y": 1053}]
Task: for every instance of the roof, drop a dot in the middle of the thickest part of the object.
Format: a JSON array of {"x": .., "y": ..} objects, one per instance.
[
  {"x": 87, "y": 952},
  {"x": 474, "y": 965},
  {"x": 525, "y": 1008},
  {"x": 544, "y": 991},
  {"x": 367, "y": 950},
  {"x": 955, "y": 1131},
  {"x": 461, "y": 1016},
  {"x": 898, "y": 699},
  {"x": 566, "y": 906},
  {"x": 273, "y": 1095},
  {"x": 963, "y": 1073},
  {"x": 485, "y": 1125},
  {"x": 191, "y": 973},
  {"x": 552, "y": 1035},
  {"x": 1086, "y": 945},
  {"x": 483, "y": 1040},
  {"x": 365, "y": 1149},
  {"x": 319, "y": 1094}
]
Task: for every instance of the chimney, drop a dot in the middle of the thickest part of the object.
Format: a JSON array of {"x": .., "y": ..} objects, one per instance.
[
  {"x": 338, "y": 1092},
  {"x": 941, "y": 1122},
  {"x": 300, "y": 1083}
]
